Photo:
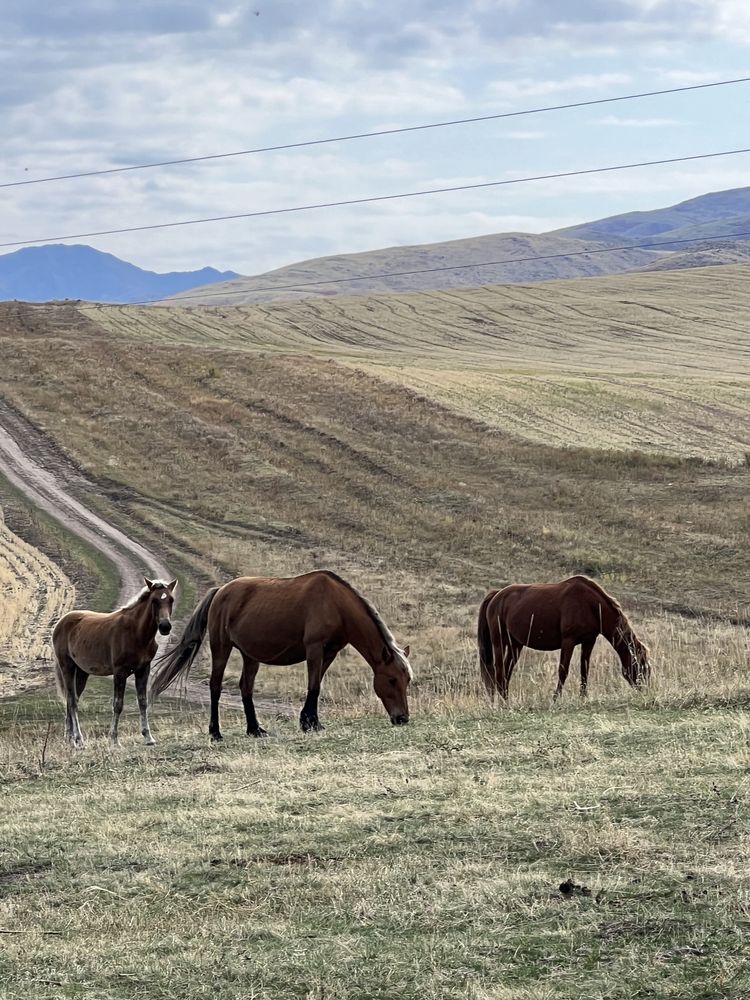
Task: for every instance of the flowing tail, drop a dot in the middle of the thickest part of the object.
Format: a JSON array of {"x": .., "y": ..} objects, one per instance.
[
  {"x": 484, "y": 641},
  {"x": 179, "y": 660}
]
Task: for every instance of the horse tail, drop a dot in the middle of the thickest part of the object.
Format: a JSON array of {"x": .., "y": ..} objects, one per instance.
[
  {"x": 484, "y": 642},
  {"x": 179, "y": 660}
]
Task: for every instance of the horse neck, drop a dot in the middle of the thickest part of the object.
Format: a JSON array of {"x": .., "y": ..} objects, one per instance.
[
  {"x": 366, "y": 637},
  {"x": 621, "y": 637},
  {"x": 141, "y": 619}
]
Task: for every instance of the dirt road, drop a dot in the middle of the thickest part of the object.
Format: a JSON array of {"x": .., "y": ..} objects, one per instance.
[
  {"x": 48, "y": 479},
  {"x": 33, "y": 466}
]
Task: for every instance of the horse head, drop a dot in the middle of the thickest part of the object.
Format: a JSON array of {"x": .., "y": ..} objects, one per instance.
[
  {"x": 161, "y": 603},
  {"x": 392, "y": 676},
  {"x": 636, "y": 666}
]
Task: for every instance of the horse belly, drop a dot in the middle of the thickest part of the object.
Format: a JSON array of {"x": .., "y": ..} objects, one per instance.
[
  {"x": 274, "y": 626},
  {"x": 86, "y": 648},
  {"x": 275, "y": 648},
  {"x": 533, "y": 631}
]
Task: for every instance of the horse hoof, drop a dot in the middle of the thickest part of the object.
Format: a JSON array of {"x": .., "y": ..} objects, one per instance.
[
  {"x": 149, "y": 741},
  {"x": 216, "y": 738},
  {"x": 311, "y": 725},
  {"x": 258, "y": 733}
]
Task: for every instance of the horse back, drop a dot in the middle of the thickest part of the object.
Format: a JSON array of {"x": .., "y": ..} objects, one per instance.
[
  {"x": 269, "y": 617},
  {"x": 540, "y": 615}
]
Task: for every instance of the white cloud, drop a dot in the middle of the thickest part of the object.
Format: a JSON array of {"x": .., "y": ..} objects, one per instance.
[
  {"x": 514, "y": 90},
  {"x": 638, "y": 122},
  {"x": 91, "y": 86}
]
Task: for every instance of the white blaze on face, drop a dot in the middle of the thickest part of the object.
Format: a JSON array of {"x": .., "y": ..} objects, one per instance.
[{"x": 163, "y": 597}]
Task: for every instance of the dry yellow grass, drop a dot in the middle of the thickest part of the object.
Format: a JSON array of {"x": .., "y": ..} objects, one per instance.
[
  {"x": 423, "y": 861},
  {"x": 658, "y": 362},
  {"x": 35, "y": 593},
  {"x": 372, "y": 862}
]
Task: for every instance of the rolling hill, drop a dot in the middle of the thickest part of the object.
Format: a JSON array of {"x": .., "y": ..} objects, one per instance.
[
  {"x": 61, "y": 271},
  {"x": 708, "y": 215},
  {"x": 515, "y": 256},
  {"x": 577, "y": 252}
]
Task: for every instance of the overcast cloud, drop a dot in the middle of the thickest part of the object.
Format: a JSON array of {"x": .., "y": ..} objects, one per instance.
[{"x": 89, "y": 85}]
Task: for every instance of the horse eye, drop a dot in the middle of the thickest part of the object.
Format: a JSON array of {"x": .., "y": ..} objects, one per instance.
[{"x": 392, "y": 682}]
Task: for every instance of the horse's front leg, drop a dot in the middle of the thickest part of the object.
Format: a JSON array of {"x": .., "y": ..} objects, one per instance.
[
  {"x": 118, "y": 698},
  {"x": 318, "y": 661},
  {"x": 587, "y": 648},
  {"x": 566, "y": 654},
  {"x": 141, "y": 691}
]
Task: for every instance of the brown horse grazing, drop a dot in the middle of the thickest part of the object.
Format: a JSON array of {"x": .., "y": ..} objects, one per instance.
[
  {"x": 284, "y": 621},
  {"x": 116, "y": 644},
  {"x": 555, "y": 616}
]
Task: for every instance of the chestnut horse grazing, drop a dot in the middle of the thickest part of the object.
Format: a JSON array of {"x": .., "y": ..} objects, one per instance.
[
  {"x": 555, "y": 616},
  {"x": 284, "y": 621},
  {"x": 116, "y": 644}
]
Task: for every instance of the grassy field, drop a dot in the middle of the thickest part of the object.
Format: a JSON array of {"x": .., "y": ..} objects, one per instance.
[
  {"x": 657, "y": 362},
  {"x": 425, "y": 447},
  {"x": 373, "y": 862},
  {"x": 235, "y": 460}
]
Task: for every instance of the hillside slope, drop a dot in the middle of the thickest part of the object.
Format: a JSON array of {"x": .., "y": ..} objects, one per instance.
[
  {"x": 514, "y": 255},
  {"x": 707, "y": 215},
  {"x": 566, "y": 253},
  {"x": 654, "y": 361}
]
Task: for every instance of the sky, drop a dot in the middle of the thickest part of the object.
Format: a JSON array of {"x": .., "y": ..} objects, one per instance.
[{"x": 92, "y": 84}]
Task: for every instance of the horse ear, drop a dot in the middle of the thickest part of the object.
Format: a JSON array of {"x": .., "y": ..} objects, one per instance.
[
  {"x": 406, "y": 652},
  {"x": 171, "y": 586},
  {"x": 149, "y": 583}
]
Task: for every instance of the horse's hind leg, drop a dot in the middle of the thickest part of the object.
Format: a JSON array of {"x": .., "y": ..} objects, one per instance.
[
  {"x": 118, "y": 699},
  {"x": 141, "y": 691},
  {"x": 220, "y": 650},
  {"x": 66, "y": 671},
  {"x": 566, "y": 654},
  {"x": 81, "y": 679},
  {"x": 512, "y": 654},
  {"x": 247, "y": 684},
  {"x": 499, "y": 654}
]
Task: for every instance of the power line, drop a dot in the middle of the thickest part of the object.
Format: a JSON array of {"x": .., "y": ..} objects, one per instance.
[
  {"x": 185, "y": 296},
  {"x": 373, "y": 199},
  {"x": 370, "y": 135}
]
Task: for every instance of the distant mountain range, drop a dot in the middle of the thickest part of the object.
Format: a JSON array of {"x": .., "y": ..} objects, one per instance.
[
  {"x": 575, "y": 252},
  {"x": 38, "y": 274},
  {"x": 61, "y": 271},
  {"x": 715, "y": 214}
]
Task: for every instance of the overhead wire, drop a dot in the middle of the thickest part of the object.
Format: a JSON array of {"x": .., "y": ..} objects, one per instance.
[
  {"x": 370, "y": 135},
  {"x": 150, "y": 227}
]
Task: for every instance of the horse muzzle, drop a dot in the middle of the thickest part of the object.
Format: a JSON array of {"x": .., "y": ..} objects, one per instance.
[
  {"x": 165, "y": 627},
  {"x": 399, "y": 720}
]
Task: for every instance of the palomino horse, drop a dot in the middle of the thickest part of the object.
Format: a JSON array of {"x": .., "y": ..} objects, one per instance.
[
  {"x": 116, "y": 644},
  {"x": 555, "y": 616},
  {"x": 284, "y": 621}
]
